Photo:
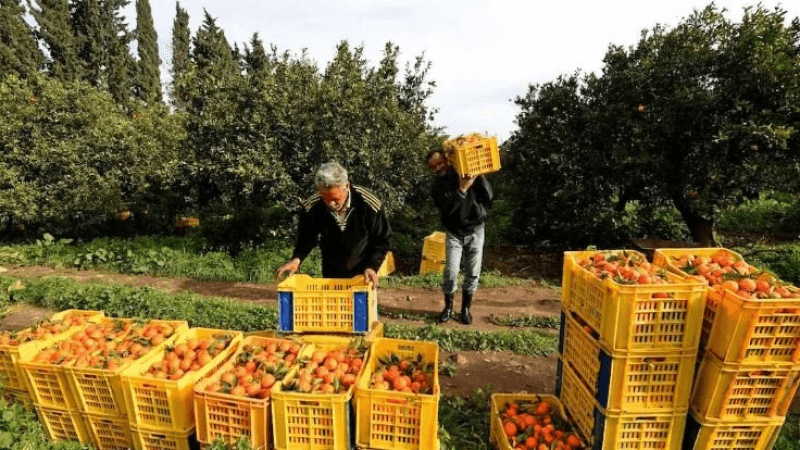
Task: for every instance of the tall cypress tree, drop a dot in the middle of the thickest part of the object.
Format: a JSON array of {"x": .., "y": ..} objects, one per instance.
[
  {"x": 255, "y": 58},
  {"x": 181, "y": 37},
  {"x": 56, "y": 33},
  {"x": 148, "y": 86},
  {"x": 122, "y": 68},
  {"x": 19, "y": 52},
  {"x": 211, "y": 52},
  {"x": 88, "y": 29}
]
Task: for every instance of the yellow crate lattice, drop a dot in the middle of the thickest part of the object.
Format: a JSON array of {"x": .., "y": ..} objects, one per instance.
[
  {"x": 635, "y": 317},
  {"x": 110, "y": 433},
  {"x": 327, "y": 304},
  {"x": 155, "y": 439},
  {"x": 62, "y": 425},
  {"x": 479, "y": 157},
  {"x": 397, "y": 420}
]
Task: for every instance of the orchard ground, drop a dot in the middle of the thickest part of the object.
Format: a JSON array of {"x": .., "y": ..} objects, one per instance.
[{"x": 504, "y": 371}]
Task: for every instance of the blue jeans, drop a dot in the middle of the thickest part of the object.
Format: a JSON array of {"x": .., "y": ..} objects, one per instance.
[{"x": 467, "y": 254}]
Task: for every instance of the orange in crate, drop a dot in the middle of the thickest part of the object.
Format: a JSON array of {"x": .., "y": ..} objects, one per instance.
[
  {"x": 473, "y": 154},
  {"x": 315, "y": 420},
  {"x": 501, "y": 403},
  {"x": 169, "y": 404},
  {"x": 25, "y": 344},
  {"x": 99, "y": 390},
  {"x": 633, "y": 317},
  {"x": 387, "y": 419},
  {"x": 227, "y": 416}
]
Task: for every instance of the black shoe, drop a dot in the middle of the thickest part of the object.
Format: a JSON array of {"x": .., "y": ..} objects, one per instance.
[
  {"x": 466, "y": 303},
  {"x": 447, "y": 313}
]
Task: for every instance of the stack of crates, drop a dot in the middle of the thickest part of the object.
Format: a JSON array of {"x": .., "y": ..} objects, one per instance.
[
  {"x": 433, "y": 254},
  {"x": 224, "y": 416},
  {"x": 627, "y": 354},
  {"x": 748, "y": 364},
  {"x": 94, "y": 394},
  {"x": 57, "y": 410},
  {"x": 161, "y": 410}
]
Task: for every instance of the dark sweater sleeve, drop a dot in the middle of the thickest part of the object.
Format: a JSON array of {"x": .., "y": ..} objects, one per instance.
[
  {"x": 457, "y": 207},
  {"x": 307, "y": 235},
  {"x": 381, "y": 235},
  {"x": 483, "y": 191}
]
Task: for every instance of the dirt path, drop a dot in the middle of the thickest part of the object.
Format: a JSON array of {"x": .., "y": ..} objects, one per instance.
[{"x": 504, "y": 371}]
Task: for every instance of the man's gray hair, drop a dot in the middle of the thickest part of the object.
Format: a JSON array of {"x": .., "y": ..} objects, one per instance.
[{"x": 331, "y": 174}]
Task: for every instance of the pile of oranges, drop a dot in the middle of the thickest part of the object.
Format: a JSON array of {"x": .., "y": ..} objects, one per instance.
[
  {"x": 328, "y": 372},
  {"x": 45, "y": 329},
  {"x": 187, "y": 357},
  {"x": 107, "y": 345},
  {"x": 724, "y": 270},
  {"x": 530, "y": 425},
  {"x": 403, "y": 375},
  {"x": 623, "y": 267},
  {"x": 256, "y": 369}
]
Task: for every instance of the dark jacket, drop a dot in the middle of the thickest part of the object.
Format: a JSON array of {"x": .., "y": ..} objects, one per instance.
[
  {"x": 363, "y": 243},
  {"x": 461, "y": 213}
]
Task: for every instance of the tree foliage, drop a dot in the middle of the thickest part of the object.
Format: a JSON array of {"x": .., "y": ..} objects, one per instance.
[
  {"x": 148, "y": 80},
  {"x": 19, "y": 52},
  {"x": 696, "y": 117}
]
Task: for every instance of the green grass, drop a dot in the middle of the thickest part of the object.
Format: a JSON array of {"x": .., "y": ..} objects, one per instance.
[
  {"x": 527, "y": 320},
  {"x": 190, "y": 257}
]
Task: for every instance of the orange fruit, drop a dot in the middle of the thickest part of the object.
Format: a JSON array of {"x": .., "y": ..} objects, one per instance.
[{"x": 510, "y": 429}]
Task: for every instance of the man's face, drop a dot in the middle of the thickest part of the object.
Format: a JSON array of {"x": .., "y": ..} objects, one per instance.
[
  {"x": 335, "y": 197},
  {"x": 438, "y": 164}
]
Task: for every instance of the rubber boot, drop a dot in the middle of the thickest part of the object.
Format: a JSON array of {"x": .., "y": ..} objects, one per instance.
[
  {"x": 466, "y": 302},
  {"x": 447, "y": 313}
]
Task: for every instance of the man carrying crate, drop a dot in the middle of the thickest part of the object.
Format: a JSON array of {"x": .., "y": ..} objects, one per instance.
[
  {"x": 462, "y": 202},
  {"x": 349, "y": 224}
]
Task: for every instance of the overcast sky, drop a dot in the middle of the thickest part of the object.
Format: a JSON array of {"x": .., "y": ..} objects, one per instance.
[{"x": 484, "y": 53}]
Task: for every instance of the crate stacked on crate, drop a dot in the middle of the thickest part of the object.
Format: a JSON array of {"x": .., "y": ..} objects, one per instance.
[
  {"x": 433, "y": 254},
  {"x": 397, "y": 398},
  {"x": 748, "y": 364},
  {"x": 159, "y": 388},
  {"x": 234, "y": 401},
  {"x": 80, "y": 376},
  {"x": 312, "y": 406},
  {"x": 628, "y": 342},
  {"x": 62, "y": 421}
]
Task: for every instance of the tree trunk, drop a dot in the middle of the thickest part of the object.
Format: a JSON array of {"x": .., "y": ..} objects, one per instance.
[{"x": 700, "y": 228}]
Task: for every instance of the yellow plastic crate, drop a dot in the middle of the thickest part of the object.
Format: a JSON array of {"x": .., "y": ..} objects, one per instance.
[
  {"x": 314, "y": 421},
  {"x": 709, "y": 434},
  {"x": 50, "y": 386},
  {"x": 497, "y": 436},
  {"x": 736, "y": 392},
  {"x": 225, "y": 417},
  {"x": 100, "y": 391},
  {"x": 663, "y": 258},
  {"x": 109, "y": 432},
  {"x": 426, "y": 267},
  {"x": 626, "y": 381},
  {"x": 326, "y": 305},
  {"x": 166, "y": 404},
  {"x": 610, "y": 430},
  {"x": 387, "y": 267},
  {"x": 12, "y": 355},
  {"x": 397, "y": 420},
  {"x": 633, "y": 317},
  {"x": 145, "y": 438},
  {"x": 433, "y": 247},
  {"x": 477, "y": 157},
  {"x": 63, "y": 425},
  {"x": 755, "y": 331}
]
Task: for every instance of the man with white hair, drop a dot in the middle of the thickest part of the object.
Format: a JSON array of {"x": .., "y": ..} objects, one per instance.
[{"x": 349, "y": 224}]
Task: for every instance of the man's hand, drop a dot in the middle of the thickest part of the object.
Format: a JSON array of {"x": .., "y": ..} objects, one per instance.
[
  {"x": 371, "y": 276},
  {"x": 465, "y": 182},
  {"x": 290, "y": 267}
]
